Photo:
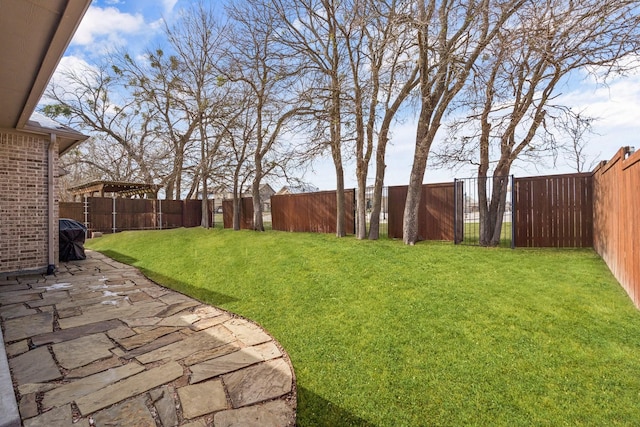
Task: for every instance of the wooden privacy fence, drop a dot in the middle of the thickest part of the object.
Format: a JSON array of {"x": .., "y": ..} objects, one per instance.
[
  {"x": 311, "y": 212},
  {"x": 616, "y": 231},
  {"x": 436, "y": 216},
  {"x": 246, "y": 213},
  {"x": 554, "y": 211},
  {"x": 109, "y": 215}
]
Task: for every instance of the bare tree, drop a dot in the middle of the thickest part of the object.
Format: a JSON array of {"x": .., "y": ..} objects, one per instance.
[
  {"x": 393, "y": 76},
  {"x": 378, "y": 76},
  {"x": 521, "y": 75},
  {"x": 96, "y": 101},
  {"x": 269, "y": 73},
  {"x": 197, "y": 41},
  {"x": 451, "y": 37},
  {"x": 156, "y": 80},
  {"x": 576, "y": 127},
  {"x": 309, "y": 28}
]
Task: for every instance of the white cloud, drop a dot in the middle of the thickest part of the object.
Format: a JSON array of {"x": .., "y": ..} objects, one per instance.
[
  {"x": 617, "y": 108},
  {"x": 71, "y": 64},
  {"x": 168, "y": 5},
  {"x": 107, "y": 26}
]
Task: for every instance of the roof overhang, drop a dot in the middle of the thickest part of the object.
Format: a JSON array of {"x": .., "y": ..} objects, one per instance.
[
  {"x": 35, "y": 35},
  {"x": 67, "y": 137},
  {"x": 125, "y": 189}
]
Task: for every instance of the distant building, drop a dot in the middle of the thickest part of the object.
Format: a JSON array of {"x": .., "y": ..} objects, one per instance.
[
  {"x": 266, "y": 191},
  {"x": 297, "y": 189}
]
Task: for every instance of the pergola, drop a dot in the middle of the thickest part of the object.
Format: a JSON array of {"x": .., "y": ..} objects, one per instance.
[{"x": 120, "y": 189}]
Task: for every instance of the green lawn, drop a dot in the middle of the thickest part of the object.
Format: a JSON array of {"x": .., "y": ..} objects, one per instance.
[
  {"x": 472, "y": 234},
  {"x": 434, "y": 334}
]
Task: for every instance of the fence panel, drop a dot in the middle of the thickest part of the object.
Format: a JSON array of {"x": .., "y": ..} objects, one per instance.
[
  {"x": 100, "y": 214},
  {"x": 617, "y": 219},
  {"x": 246, "y": 213},
  {"x": 554, "y": 211},
  {"x": 436, "y": 214},
  {"x": 190, "y": 215},
  {"x": 311, "y": 212},
  {"x": 135, "y": 214},
  {"x": 72, "y": 210},
  {"x": 170, "y": 212}
]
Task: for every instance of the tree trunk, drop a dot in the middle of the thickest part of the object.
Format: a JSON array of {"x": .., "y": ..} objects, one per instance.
[
  {"x": 492, "y": 212},
  {"x": 410, "y": 223},
  {"x": 361, "y": 207},
  {"x": 424, "y": 138},
  {"x": 340, "y": 202},
  {"x": 237, "y": 211},
  {"x": 205, "y": 204},
  {"x": 376, "y": 206},
  {"x": 257, "y": 203},
  {"x": 486, "y": 230}
]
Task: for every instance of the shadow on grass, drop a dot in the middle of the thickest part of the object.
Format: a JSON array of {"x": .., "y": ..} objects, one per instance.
[
  {"x": 119, "y": 257},
  {"x": 322, "y": 412},
  {"x": 205, "y": 295}
]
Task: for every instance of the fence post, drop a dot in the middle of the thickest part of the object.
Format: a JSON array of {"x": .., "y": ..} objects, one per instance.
[
  {"x": 113, "y": 214},
  {"x": 160, "y": 213},
  {"x": 513, "y": 213},
  {"x": 455, "y": 212},
  {"x": 86, "y": 212}
]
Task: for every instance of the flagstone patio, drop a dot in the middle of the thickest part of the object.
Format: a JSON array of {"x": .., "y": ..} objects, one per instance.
[{"x": 98, "y": 344}]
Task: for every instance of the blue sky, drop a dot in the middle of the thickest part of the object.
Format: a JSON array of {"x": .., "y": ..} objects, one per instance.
[{"x": 136, "y": 24}]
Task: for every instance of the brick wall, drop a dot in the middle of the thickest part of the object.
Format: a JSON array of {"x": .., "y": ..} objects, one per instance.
[{"x": 23, "y": 202}]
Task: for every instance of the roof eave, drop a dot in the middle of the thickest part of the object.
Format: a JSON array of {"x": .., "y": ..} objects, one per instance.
[
  {"x": 66, "y": 139},
  {"x": 69, "y": 22}
]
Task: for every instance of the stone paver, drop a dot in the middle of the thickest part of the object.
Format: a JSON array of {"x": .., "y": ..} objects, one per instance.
[
  {"x": 68, "y": 393},
  {"x": 63, "y": 335},
  {"x": 275, "y": 413},
  {"x": 129, "y": 387},
  {"x": 259, "y": 383},
  {"x": 162, "y": 399},
  {"x": 232, "y": 362},
  {"x": 35, "y": 366},
  {"x": 15, "y": 310},
  {"x": 247, "y": 332},
  {"x": 82, "y": 351},
  {"x": 27, "y": 326},
  {"x": 59, "y": 417},
  {"x": 203, "y": 398},
  {"x": 98, "y": 344},
  {"x": 130, "y": 413}
]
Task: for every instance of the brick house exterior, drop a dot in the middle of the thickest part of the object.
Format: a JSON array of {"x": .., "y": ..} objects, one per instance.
[
  {"x": 35, "y": 35},
  {"x": 24, "y": 229}
]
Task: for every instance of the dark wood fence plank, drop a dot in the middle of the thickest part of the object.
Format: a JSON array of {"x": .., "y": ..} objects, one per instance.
[
  {"x": 246, "y": 213},
  {"x": 554, "y": 211},
  {"x": 311, "y": 212},
  {"x": 436, "y": 215}
]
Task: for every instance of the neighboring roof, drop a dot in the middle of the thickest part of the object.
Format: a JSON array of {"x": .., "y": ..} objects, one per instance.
[
  {"x": 122, "y": 188},
  {"x": 297, "y": 189},
  {"x": 266, "y": 188},
  {"x": 35, "y": 35}
]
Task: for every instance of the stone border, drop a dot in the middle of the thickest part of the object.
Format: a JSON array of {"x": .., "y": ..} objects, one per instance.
[{"x": 8, "y": 404}]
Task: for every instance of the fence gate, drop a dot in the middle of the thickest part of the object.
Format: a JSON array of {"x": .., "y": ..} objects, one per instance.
[{"x": 472, "y": 207}]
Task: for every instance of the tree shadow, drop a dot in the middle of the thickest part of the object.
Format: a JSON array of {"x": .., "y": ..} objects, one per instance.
[
  {"x": 206, "y": 296},
  {"x": 326, "y": 413}
]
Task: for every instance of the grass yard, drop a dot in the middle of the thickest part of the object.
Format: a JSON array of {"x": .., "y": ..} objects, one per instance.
[
  {"x": 471, "y": 234},
  {"x": 435, "y": 334}
]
